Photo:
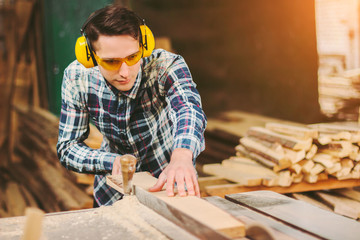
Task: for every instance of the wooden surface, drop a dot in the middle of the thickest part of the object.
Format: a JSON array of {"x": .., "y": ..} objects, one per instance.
[
  {"x": 110, "y": 222},
  {"x": 331, "y": 183},
  {"x": 192, "y": 213},
  {"x": 248, "y": 216},
  {"x": 298, "y": 214}
]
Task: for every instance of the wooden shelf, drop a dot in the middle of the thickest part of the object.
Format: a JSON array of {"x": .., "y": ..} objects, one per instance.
[{"x": 331, "y": 183}]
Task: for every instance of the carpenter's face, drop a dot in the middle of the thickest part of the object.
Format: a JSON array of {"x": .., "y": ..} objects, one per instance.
[{"x": 114, "y": 55}]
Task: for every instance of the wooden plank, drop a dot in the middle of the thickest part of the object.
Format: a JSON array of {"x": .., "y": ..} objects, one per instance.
[
  {"x": 15, "y": 201},
  {"x": 238, "y": 122},
  {"x": 300, "y": 215},
  {"x": 210, "y": 181},
  {"x": 248, "y": 216},
  {"x": 331, "y": 183},
  {"x": 286, "y": 141},
  {"x": 301, "y": 132},
  {"x": 268, "y": 153},
  {"x": 249, "y": 166},
  {"x": 306, "y": 198},
  {"x": 342, "y": 205},
  {"x": 192, "y": 213},
  {"x": 348, "y": 192},
  {"x": 245, "y": 179},
  {"x": 33, "y": 224},
  {"x": 24, "y": 12}
]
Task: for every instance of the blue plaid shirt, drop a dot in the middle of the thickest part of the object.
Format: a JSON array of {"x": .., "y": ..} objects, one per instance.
[{"x": 160, "y": 113}]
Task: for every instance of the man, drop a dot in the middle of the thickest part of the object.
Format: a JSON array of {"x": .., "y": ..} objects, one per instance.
[{"x": 145, "y": 106}]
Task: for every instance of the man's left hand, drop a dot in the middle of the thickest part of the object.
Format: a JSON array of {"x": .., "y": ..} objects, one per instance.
[{"x": 180, "y": 171}]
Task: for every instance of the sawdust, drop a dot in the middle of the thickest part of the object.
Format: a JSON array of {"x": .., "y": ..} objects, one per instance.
[
  {"x": 128, "y": 212},
  {"x": 123, "y": 220}
]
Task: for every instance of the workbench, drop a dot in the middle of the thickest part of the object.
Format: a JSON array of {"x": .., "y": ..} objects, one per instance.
[{"x": 285, "y": 217}]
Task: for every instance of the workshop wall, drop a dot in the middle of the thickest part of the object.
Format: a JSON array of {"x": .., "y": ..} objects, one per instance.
[
  {"x": 256, "y": 56},
  {"x": 62, "y": 23}
]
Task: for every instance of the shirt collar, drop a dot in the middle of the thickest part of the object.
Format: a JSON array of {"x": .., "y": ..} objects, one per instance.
[{"x": 133, "y": 91}]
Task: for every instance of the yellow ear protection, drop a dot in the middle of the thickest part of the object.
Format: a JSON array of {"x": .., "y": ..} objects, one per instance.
[{"x": 84, "y": 51}]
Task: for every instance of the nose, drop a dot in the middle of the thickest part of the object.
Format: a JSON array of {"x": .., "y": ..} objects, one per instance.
[{"x": 124, "y": 70}]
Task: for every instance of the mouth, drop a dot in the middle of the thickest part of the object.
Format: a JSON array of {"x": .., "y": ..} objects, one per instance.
[{"x": 123, "y": 81}]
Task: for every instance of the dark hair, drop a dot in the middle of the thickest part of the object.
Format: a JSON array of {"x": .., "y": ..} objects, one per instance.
[{"x": 111, "y": 21}]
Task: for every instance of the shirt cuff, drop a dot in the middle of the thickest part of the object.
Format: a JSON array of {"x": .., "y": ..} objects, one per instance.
[
  {"x": 188, "y": 142},
  {"x": 106, "y": 161}
]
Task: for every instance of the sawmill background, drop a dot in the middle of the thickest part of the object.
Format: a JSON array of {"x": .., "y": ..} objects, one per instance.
[{"x": 294, "y": 61}]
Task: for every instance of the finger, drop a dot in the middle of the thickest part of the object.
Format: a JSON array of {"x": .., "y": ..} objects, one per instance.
[
  {"x": 180, "y": 184},
  {"x": 170, "y": 184},
  {"x": 159, "y": 184},
  {"x": 116, "y": 168},
  {"x": 189, "y": 185},
  {"x": 196, "y": 184}
]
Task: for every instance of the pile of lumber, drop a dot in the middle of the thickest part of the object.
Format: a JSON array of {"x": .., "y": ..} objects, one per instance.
[
  {"x": 339, "y": 95},
  {"x": 35, "y": 177},
  {"x": 282, "y": 154}
]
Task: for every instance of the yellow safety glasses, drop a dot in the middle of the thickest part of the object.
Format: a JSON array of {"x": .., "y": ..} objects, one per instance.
[{"x": 112, "y": 64}]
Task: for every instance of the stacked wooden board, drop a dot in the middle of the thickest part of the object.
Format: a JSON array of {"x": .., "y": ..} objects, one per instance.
[
  {"x": 36, "y": 177},
  {"x": 284, "y": 154},
  {"x": 339, "y": 95}
]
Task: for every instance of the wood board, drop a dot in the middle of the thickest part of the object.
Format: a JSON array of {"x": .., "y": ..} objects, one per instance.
[
  {"x": 248, "y": 216},
  {"x": 313, "y": 220},
  {"x": 192, "y": 213},
  {"x": 331, "y": 183}
]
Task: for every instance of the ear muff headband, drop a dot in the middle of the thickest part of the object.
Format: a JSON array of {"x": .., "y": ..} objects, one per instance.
[{"x": 84, "y": 52}]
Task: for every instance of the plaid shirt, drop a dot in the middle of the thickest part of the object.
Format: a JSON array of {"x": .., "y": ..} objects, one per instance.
[{"x": 160, "y": 113}]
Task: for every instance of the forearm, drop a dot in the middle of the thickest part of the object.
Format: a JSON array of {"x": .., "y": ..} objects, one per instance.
[
  {"x": 190, "y": 127},
  {"x": 78, "y": 157}
]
